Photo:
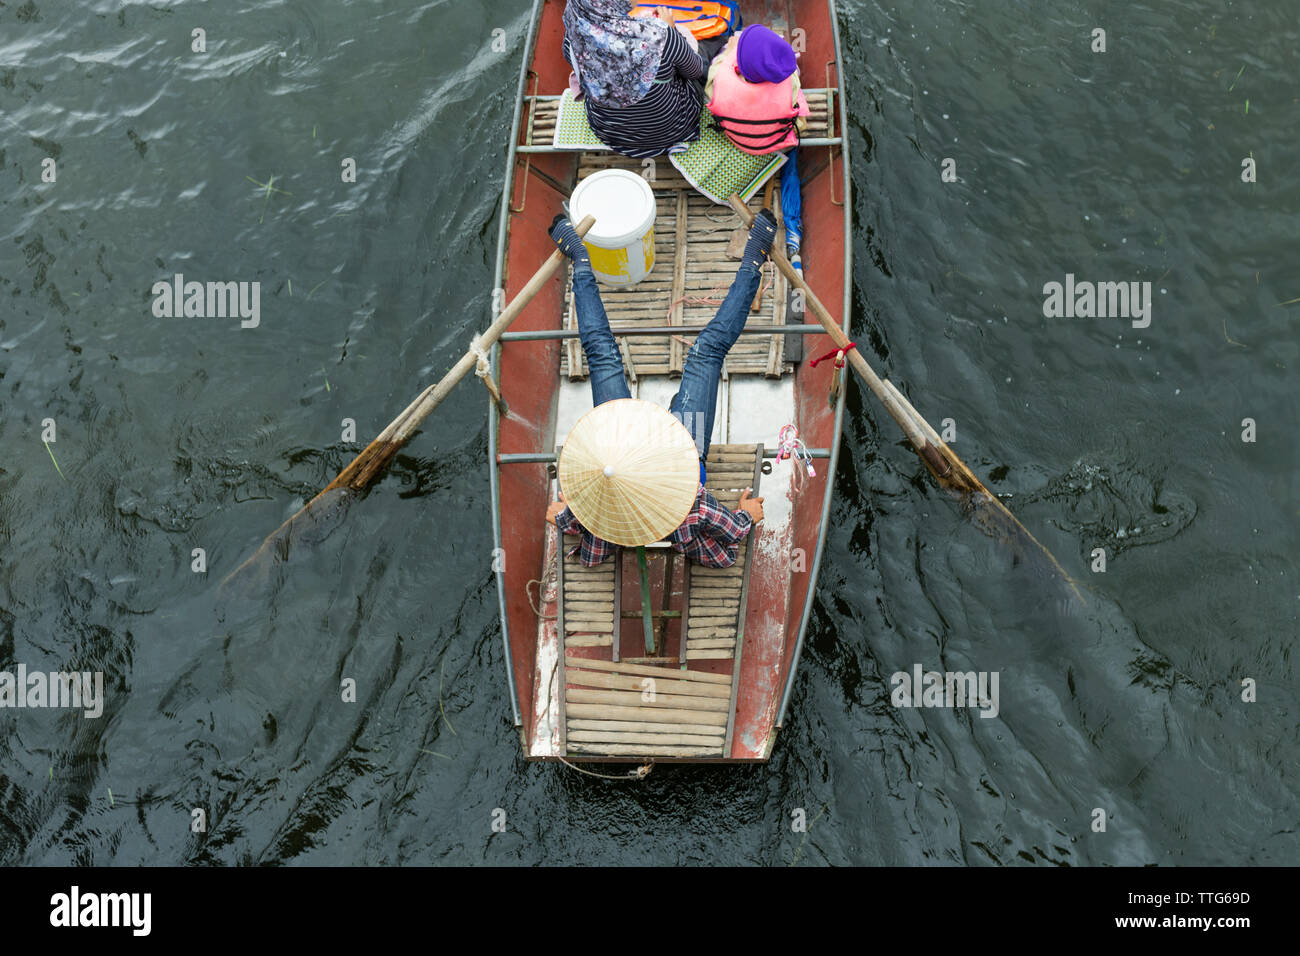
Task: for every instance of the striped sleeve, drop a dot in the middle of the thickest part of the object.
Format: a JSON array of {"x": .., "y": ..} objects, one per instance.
[
  {"x": 668, "y": 114},
  {"x": 679, "y": 55}
]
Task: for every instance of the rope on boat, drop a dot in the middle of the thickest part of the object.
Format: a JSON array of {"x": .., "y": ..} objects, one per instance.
[
  {"x": 766, "y": 280},
  {"x": 836, "y": 353},
  {"x": 640, "y": 773},
  {"x": 547, "y": 578},
  {"x": 483, "y": 369},
  {"x": 725, "y": 221},
  {"x": 836, "y": 374},
  {"x": 705, "y": 299}
]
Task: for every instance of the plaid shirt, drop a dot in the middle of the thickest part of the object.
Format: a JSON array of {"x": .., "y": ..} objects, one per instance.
[{"x": 710, "y": 535}]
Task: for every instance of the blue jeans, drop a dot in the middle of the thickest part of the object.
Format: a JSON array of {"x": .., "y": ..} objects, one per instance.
[{"x": 696, "y": 400}]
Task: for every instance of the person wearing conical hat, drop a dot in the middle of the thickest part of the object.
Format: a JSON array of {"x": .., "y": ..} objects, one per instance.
[{"x": 633, "y": 477}]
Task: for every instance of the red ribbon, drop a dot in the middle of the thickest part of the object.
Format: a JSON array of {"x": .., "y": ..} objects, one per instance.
[{"x": 838, "y": 354}]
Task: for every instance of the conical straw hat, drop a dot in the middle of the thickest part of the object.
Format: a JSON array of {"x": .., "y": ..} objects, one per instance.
[{"x": 630, "y": 471}]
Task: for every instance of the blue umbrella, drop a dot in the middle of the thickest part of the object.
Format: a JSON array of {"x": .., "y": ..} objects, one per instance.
[{"x": 792, "y": 204}]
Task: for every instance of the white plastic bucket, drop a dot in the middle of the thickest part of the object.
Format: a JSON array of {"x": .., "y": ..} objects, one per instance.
[{"x": 622, "y": 242}]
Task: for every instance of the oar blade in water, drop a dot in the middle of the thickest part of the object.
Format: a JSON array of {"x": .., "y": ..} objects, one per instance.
[
  {"x": 306, "y": 529},
  {"x": 992, "y": 517}
]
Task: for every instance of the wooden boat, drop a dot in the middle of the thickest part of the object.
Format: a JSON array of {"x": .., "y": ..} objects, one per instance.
[{"x": 710, "y": 676}]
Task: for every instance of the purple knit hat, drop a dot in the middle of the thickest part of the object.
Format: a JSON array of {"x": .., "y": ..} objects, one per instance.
[{"x": 762, "y": 56}]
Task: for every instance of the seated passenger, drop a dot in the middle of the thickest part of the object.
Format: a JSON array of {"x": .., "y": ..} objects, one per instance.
[
  {"x": 754, "y": 94},
  {"x": 642, "y": 77}
]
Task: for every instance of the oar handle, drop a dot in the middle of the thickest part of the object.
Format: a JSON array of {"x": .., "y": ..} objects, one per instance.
[
  {"x": 914, "y": 433},
  {"x": 405, "y": 424},
  {"x": 531, "y": 288},
  {"x": 365, "y": 468},
  {"x": 375, "y": 457}
]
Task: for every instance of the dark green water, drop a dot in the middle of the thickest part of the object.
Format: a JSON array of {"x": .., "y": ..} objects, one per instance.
[{"x": 176, "y": 434}]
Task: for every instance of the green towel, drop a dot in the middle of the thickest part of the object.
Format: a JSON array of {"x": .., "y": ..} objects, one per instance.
[
  {"x": 712, "y": 164},
  {"x": 717, "y": 168},
  {"x": 572, "y": 131}
]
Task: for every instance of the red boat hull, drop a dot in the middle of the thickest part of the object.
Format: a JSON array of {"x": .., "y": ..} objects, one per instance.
[{"x": 528, "y": 371}]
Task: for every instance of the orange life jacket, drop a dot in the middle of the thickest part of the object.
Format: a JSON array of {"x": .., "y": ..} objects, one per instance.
[
  {"x": 704, "y": 18},
  {"x": 757, "y": 117}
]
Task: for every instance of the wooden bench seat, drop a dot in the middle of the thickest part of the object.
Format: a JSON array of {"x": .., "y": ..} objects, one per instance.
[
  {"x": 644, "y": 710},
  {"x": 544, "y": 110}
]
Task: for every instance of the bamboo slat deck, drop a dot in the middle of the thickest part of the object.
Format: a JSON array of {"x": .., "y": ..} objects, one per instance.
[
  {"x": 634, "y": 709},
  {"x": 589, "y": 601},
  {"x": 690, "y": 279},
  {"x": 713, "y": 614},
  {"x": 645, "y": 720}
]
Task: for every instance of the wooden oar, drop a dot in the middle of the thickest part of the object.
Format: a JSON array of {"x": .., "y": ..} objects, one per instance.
[
  {"x": 943, "y": 463},
  {"x": 757, "y": 304},
  {"x": 376, "y": 456}
]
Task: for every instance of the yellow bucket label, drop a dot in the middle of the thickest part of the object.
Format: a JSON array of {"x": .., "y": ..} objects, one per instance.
[
  {"x": 648, "y": 244},
  {"x": 609, "y": 262},
  {"x": 624, "y": 266}
]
